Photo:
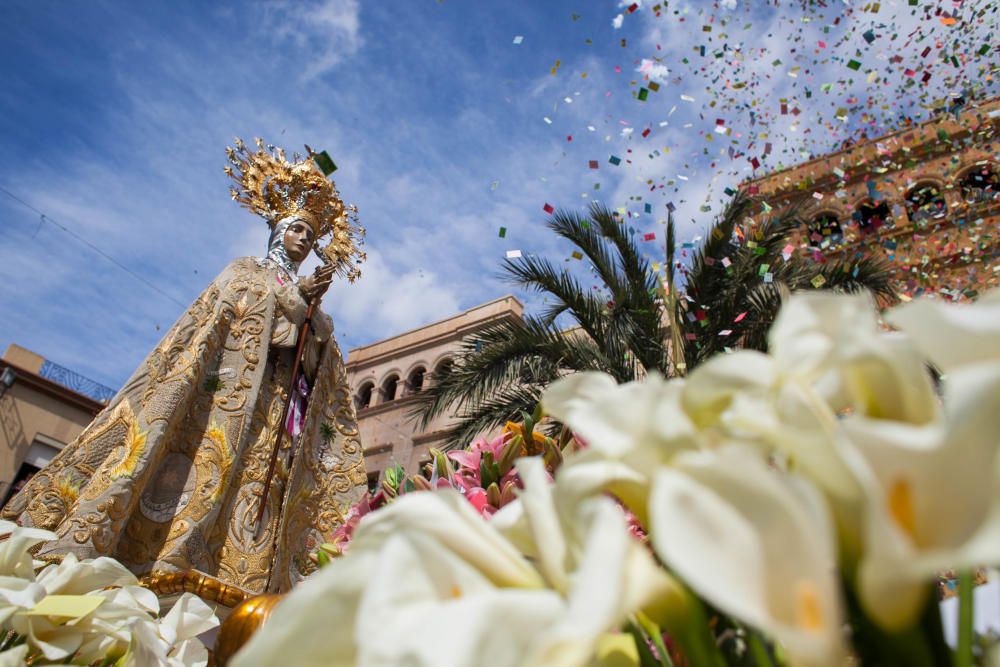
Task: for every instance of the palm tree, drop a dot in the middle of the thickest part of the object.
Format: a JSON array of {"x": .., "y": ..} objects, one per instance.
[
  {"x": 501, "y": 371},
  {"x": 642, "y": 326},
  {"x": 733, "y": 290}
]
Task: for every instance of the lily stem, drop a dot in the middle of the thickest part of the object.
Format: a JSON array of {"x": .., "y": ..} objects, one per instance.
[
  {"x": 760, "y": 655},
  {"x": 966, "y": 592}
]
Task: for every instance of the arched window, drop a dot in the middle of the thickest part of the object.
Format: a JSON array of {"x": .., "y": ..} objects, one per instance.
[
  {"x": 415, "y": 382},
  {"x": 980, "y": 184},
  {"x": 925, "y": 203},
  {"x": 442, "y": 369},
  {"x": 825, "y": 231},
  {"x": 872, "y": 215},
  {"x": 364, "y": 397},
  {"x": 389, "y": 387}
]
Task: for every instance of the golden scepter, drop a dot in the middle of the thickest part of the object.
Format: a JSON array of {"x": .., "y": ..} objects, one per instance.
[
  {"x": 329, "y": 257},
  {"x": 292, "y": 387}
]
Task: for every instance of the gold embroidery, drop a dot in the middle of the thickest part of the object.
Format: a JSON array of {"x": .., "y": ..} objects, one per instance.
[
  {"x": 168, "y": 477},
  {"x": 135, "y": 444}
]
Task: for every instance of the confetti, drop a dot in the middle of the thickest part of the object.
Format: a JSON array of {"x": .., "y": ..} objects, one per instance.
[
  {"x": 518, "y": 39},
  {"x": 503, "y": 232},
  {"x": 513, "y": 254},
  {"x": 548, "y": 208},
  {"x": 325, "y": 164}
]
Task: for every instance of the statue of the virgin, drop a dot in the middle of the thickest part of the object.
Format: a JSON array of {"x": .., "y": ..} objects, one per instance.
[{"x": 173, "y": 476}]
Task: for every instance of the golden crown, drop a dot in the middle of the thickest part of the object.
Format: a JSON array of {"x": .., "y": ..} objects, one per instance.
[{"x": 275, "y": 189}]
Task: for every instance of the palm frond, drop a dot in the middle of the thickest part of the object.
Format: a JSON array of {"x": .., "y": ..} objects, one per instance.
[
  {"x": 569, "y": 295},
  {"x": 494, "y": 412}
]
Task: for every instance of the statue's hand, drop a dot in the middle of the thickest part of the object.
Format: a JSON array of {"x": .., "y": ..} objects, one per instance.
[{"x": 315, "y": 286}]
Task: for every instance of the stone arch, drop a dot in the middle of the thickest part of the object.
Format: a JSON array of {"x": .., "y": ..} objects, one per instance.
[
  {"x": 389, "y": 387},
  {"x": 415, "y": 377},
  {"x": 925, "y": 202},
  {"x": 927, "y": 177},
  {"x": 825, "y": 227},
  {"x": 870, "y": 215},
  {"x": 979, "y": 182},
  {"x": 364, "y": 395},
  {"x": 442, "y": 363}
]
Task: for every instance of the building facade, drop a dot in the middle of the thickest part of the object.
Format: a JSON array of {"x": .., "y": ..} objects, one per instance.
[
  {"x": 927, "y": 198},
  {"x": 387, "y": 375},
  {"x": 40, "y": 413},
  {"x": 47, "y": 406}
]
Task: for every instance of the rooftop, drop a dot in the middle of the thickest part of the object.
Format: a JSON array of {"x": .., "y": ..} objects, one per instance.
[{"x": 26, "y": 360}]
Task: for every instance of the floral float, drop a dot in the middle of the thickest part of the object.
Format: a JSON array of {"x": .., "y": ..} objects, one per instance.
[{"x": 799, "y": 506}]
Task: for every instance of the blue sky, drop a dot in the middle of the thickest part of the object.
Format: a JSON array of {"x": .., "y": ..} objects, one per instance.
[{"x": 115, "y": 116}]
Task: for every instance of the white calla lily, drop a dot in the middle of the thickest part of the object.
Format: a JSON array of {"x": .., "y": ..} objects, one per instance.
[
  {"x": 639, "y": 423},
  {"x": 745, "y": 396},
  {"x": 950, "y": 334},
  {"x": 316, "y": 623},
  {"x": 560, "y": 518},
  {"x": 422, "y": 598},
  {"x": 15, "y": 557},
  {"x": 447, "y": 518},
  {"x": 629, "y": 429},
  {"x": 756, "y": 543},
  {"x": 934, "y": 495},
  {"x": 14, "y": 657},
  {"x": 809, "y": 329},
  {"x": 711, "y": 388},
  {"x": 430, "y": 582},
  {"x": 834, "y": 343}
]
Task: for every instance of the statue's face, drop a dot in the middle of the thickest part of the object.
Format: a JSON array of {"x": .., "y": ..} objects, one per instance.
[{"x": 298, "y": 240}]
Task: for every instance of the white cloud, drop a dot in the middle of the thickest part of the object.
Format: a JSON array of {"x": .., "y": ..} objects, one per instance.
[
  {"x": 328, "y": 30},
  {"x": 390, "y": 297},
  {"x": 653, "y": 70}
]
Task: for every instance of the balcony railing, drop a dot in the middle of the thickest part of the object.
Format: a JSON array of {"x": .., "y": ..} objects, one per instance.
[{"x": 76, "y": 382}]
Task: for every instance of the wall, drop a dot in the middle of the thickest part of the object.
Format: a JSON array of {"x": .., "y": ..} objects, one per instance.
[
  {"x": 388, "y": 433},
  {"x": 36, "y": 409},
  {"x": 955, "y": 252}
]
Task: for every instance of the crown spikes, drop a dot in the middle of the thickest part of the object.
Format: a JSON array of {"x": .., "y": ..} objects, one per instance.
[{"x": 270, "y": 186}]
